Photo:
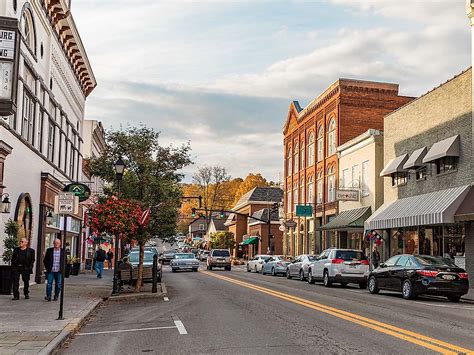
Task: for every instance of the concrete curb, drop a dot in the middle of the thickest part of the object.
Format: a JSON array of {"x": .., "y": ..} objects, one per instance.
[{"x": 70, "y": 329}]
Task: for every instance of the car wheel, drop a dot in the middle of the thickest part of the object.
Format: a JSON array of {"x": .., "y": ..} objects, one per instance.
[
  {"x": 407, "y": 290},
  {"x": 310, "y": 277},
  {"x": 373, "y": 288},
  {"x": 454, "y": 298},
  {"x": 263, "y": 271},
  {"x": 228, "y": 268},
  {"x": 288, "y": 274},
  {"x": 301, "y": 275},
  {"x": 174, "y": 270},
  {"x": 255, "y": 268},
  {"x": 363, "y": 285},
  {"x": 326, "y": 281},
  {"x": 273, "y": 272}
]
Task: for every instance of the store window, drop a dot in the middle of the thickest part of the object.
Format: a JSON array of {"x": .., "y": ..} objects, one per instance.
[
  {"x": 399, "y": 179},
  {"x": 311, "y": 149},
  {"x": 332, "y": 137},
  {"x": 365, "y": 179},
  {"x": 454, "y": 241},
  {"x": 446, "y": 164},
  {"x": 320, "y": 143}
]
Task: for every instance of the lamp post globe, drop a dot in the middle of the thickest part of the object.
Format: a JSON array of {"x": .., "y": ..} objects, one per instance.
[{"x": 119, "y": 167}]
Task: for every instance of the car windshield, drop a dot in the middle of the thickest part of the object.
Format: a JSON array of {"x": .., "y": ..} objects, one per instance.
[
  {"x": 184, "y": 256},
  {"x": 426, "y": 260},
  {"x": 350, "y": 255},
  {"x": 148, "y": 257},
  {"x": 220, "y": 253}
]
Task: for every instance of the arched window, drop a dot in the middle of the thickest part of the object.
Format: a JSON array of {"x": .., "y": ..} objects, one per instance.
[
  {"x": 331, "y": 184},
  {"x": 319, "y": 187},
  {"x": 288, "y": 199},
  {"x": 332, "y": 137},
  {"x": 302, "y": 186},
  {"x": 310, "y": 191},
  {"x": 289, "y": 163},
  {"x": 28, "y": 29},
  {"x": 295, "y": 196},
  {"x": 302, "y": 154},
  {"x": 296, "y": 159},
  {"x": 311, "y": 149},
  {"x": 320, "y": 143}
]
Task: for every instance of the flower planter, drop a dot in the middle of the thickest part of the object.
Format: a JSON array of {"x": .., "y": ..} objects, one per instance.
[
  {"x": 5, "y": 279},
  {"x": 75, "y": 268}
]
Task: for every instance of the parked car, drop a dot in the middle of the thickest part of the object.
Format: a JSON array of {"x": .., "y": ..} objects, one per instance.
[
  {"x": 203, "y": 255},
  {"x": 147, "y": 248},
  {"x": 276, "y": 265},
  {"x": 413, "y": 275},
  {"x": 219, "y": 258},
  {"x": 340, "y": 266},
  {"x": 256, "y": 263},
  {"x": 167, "y": 256},
  {"x": 133, "y": 259},
  {"x": 299, "y": 266},
  {"x": 184, "y": 261}
]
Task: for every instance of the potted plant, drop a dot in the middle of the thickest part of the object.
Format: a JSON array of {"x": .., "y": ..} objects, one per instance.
[
  {"x": 68, "y": 267},
  {"x": 9, "y": 243},
  {"x": 76, "y": 265}
]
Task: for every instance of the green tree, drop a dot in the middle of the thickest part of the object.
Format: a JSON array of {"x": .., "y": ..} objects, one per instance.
[
  {"x": 152, "y": 176},
  {"x": 222, "y": 240}
]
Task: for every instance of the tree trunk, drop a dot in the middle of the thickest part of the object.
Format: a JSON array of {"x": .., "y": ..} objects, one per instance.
[{"x": 139, "y": 283}]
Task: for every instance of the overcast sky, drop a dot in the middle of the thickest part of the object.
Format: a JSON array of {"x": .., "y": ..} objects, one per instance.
[{"x": 221, "y": 74}]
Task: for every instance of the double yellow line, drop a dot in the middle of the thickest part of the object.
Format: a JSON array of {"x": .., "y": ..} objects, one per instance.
[{"x": 400, "y": 333}]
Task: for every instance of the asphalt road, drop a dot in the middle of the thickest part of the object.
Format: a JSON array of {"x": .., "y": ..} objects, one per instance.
[{"x": 245, "y": 313}]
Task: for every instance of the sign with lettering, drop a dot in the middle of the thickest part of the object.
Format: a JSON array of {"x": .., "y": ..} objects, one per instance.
[
  {"x": 304, "y": 210},
  {"x": 80, "y": 190},
  {"x": 7, "y": 44},
  {"x": 347, "y": 195},
  {"x": 9, "y": 59},
  {"x": 66, "y": 203}
]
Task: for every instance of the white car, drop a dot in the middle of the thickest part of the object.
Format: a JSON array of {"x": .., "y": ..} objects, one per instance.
[
  {"x": 340, "y": 266},
  {"x": 299, "y": 267},
  {"x": 256, "y": 264}
]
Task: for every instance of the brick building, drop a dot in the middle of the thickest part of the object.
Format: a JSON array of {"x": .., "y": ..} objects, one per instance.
[{"x": 346, "y": 109}]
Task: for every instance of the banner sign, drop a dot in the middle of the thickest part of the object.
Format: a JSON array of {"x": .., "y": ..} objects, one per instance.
[{"x": 347, "y": 195}]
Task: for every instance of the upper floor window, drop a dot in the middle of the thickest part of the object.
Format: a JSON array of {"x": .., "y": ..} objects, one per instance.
[
  {"x": 296, "y": 159},
  {"x": 332, "y": 137},
  {"x": 295, "y": 196},
  {"x": 399, "y": 178},
  {"x": 310, "y": 191},
  {"x": 28, "y": 30},
  {"x": 51, "y": 136},
  {"x": 311, "y": 149},
  {"x": 302, "y": 155},
  {"x": 365, "y": 179},
  {"x": 302, "y": 190},
  {"x": 446, "y": 164},
  {"x": 345, "y": 178},
  {"x": 319, "y": 188},
  {"x": 331, "y": 185},
  {"x": 288, "y": 200},
  {"x": 289, "y": 163},
  {"x": 320, "y": 143},
  {"x": 28, "y": 119}
]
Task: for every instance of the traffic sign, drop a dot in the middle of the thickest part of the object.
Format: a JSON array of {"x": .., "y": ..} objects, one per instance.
[{"x": 304, "y": 210}]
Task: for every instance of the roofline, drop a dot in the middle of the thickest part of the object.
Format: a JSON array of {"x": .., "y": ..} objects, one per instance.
[{"x": 360, "y": 138}]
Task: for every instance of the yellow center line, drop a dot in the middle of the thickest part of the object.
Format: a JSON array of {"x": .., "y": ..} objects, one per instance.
[{"x": 412, "y": 337}]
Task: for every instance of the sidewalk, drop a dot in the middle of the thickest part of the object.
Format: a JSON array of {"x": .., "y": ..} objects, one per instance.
[
  {"x": 469, "y": 296},
  {"x": 31, "y": 326}
]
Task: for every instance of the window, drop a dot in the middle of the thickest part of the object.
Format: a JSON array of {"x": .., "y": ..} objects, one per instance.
[
  {"x": 295, "y": 196},
  {"x": 331, "y": 185},
  {"x": 71, "y": 163},
  {"x": 302, "y": 190},
  {"x": 27, "y": 30},
  {"x": 392, "y": 261},
  {"x": 332, "y": 137},
  {"x": 311, "y": 149},
  {"x": 66, "y": 146},
  {"x": 296, "y": 159},
  {"x": 420, "y": 173},
  {"x": 446, "y": 164},
  {"x": 28, "y": 122},
  {"x": 310, "y": 196},
  {"x": 42, "y": 116},
  {"x": 201, "y": 227},
  {"x": 402, "y": 260},
  {"x": 345, "y": 178},
  {"x": 289, "y": 163},
  {"x": 399, "y": 179},
  {"x": 51, "y": 131},
  {"x": 320, "y": 143},
  {"x": 288, "y": 200},
  {"x": 365, "y": 178},
  {"x": 302, "y": 155},
  {"x": 319, "y": 189},
  {"x": 355, "y": 176}
]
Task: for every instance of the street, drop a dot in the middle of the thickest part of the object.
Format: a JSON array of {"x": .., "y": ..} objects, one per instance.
[{"x": 248, "y": 313}]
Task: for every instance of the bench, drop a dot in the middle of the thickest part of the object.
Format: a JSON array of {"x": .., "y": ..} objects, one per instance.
[{"x": 128, "y": 275}]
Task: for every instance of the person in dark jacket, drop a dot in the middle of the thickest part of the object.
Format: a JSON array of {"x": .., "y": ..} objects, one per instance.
[
  {"x": 53, "y": 263},
  {"x": 110, "y": 258},
  {"x": 375, "y": 256},
  {"x": 23, "y": 259},
  {"x": 99, "y": 258}
]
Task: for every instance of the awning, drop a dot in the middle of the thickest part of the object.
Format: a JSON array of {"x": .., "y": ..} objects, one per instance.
[
  {"x": 348, "y": 219},
  {"x": 433, "y": 208},
  {"x": 251, "y": 240},
  {"x": 448, "y": 147},
  {"x": 416, "y": 158},
  {"x": 395, "y": 165},
  {"x": 465, "y": 212}
]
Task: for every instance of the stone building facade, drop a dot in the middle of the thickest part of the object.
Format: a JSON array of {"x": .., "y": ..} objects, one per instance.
[{"x": 346, "y": 109}]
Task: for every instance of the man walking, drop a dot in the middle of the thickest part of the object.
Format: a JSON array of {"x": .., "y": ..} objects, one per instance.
[
  {"x": 23, "y": 259},
  {"x": 375, "y": 256},
  {"x": 53, "y": 263},
  {"x": 99, "y": 258},
  {"x": 110, "y": 258}
]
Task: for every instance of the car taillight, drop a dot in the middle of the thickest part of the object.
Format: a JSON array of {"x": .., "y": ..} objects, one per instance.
[
  {"x": 337, "y": 261},
  {"x": 427, "y": 273},
  {"x": 463, "y": 275},
  {"x": 364, "y": 262}
]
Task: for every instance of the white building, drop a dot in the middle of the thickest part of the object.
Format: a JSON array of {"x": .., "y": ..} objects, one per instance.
[
  {"x": 41, "y": 144},
  {"x": 94, "y": 146}
]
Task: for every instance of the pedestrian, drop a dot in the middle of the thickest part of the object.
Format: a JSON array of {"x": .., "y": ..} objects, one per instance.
[
  {"x": 110, "y": 258},
  {"x": 23, "y": 259},
  {"x": 99, "y": 257},
  {"x": 53, "y": 263},
  {"x": 375, "y": 256}
]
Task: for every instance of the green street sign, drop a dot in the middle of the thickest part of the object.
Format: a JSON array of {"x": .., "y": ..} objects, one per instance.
[
  {"x": 304, "y": 210},
  {"x": 80, "y": 190}
]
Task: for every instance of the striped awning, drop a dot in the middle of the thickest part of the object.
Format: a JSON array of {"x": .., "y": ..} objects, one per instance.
[
  {"x": 348, "y": 219},
  {"x": 433, "y": 208}
]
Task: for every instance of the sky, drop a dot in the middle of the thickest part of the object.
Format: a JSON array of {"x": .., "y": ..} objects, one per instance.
[{"x": 221, "y": 74}]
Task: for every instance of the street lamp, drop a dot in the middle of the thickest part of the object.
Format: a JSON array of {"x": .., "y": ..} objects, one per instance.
[
  {"x": 119, "y": 167},
  {"x": 5, "y": 205}
]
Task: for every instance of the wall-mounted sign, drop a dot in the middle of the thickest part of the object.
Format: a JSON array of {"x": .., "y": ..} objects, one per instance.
[
  {"x": 304, "y": 210},
  {"x": 9, "y": 58},
  {"x": 290, "y": 223},
  {"x": 66, "y": 203},
  {"x": 347, "y": 195},
  {"x": 80, "y": 190}
]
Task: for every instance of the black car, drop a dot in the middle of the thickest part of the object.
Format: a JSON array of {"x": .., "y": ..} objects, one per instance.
[{"x": 413, "y": 275}]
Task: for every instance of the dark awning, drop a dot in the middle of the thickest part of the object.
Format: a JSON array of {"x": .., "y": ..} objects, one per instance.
[
  {"x": 250, "y": 240},
  {"x": 416, "y": 159},
  {"x": 395, "y": 165},
  {"x": 465, "y": 212},
  {"x": 348, "y": 219},
  {"x": 448, "y": 147}
]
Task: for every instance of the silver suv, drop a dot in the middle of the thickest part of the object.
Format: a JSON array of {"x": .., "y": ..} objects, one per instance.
[
  {"x": 340, "y": 266},
  {"x": 219, "y": 258}
]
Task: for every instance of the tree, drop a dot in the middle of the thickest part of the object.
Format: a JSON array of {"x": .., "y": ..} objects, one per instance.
[
  {"x": 222, "y": 240},
  {"x": 152, "y": 177},
  {"x": 250, "y": 182},
  {"x": 11, "y": 241}
]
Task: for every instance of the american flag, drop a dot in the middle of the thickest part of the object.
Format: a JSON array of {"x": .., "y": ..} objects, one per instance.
[{"x": 145, "y": 218}]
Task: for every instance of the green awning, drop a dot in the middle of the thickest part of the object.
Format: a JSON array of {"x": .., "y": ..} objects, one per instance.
[
  {"x": 348, "y": 219},
  {"x": 251, "y": 240}
]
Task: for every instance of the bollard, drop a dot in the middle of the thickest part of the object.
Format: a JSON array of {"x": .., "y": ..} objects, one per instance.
[{"x": 155, "y": 273}]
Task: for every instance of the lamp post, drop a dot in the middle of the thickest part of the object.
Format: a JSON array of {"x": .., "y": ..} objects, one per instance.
[{"x": 119, "y": 168}]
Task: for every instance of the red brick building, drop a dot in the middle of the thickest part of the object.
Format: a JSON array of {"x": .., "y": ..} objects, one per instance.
[{"x": 346, "y": 109}]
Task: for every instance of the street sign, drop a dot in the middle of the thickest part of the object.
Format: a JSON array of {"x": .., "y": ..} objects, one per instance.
[
  {"x": 347, "y": 195},
  {"x": 80, "y": 190},
  {"x": 66, "y": 203},
  {"x": 290, "y": 223},
  {"x": 304, "y": 210}
]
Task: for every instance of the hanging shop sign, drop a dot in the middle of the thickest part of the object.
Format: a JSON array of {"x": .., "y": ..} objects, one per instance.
[
  {"x": 347, "y": 195},
  {"x": 9, "y": 58},
  {"x": 80, "y": 190}
]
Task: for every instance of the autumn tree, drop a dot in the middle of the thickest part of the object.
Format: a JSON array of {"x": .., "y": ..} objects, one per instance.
[{"x": 250, "y": 182}]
